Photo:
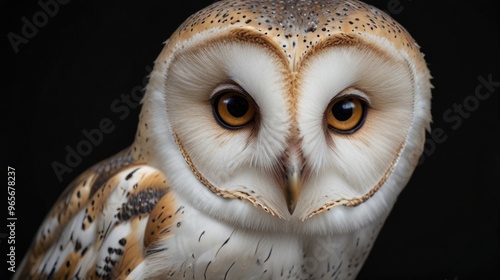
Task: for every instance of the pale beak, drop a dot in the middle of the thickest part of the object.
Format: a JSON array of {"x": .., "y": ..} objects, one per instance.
[{"x": 293, "y": 184}]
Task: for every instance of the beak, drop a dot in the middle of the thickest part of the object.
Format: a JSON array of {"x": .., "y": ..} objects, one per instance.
[{"x": 293, "y": 183}]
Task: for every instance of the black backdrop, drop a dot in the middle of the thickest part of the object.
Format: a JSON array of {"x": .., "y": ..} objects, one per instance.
[{"x": 63, "y": 75}]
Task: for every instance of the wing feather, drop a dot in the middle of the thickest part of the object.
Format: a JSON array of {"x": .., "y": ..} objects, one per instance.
[{"x": 104, "y": 224}]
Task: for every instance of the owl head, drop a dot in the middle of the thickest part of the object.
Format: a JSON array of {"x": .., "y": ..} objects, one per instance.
[{"x": 289, "y": 116}]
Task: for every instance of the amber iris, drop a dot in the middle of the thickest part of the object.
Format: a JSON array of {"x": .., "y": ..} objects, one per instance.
[
  {"x": 346, "y": 115},
  {"x": 233, "y": 109}
]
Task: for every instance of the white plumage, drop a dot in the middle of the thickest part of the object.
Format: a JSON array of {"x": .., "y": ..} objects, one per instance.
[{"x": 273, "y": 142}]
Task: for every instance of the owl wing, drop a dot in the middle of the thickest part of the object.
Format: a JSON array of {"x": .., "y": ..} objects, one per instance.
[{"x": 104, "y": 224}]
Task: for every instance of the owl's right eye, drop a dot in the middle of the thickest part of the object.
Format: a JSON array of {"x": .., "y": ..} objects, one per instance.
[{"x": 233, "y": 108}]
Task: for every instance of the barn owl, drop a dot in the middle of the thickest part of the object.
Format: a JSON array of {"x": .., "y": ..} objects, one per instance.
[{"x": 273, "y": 141}]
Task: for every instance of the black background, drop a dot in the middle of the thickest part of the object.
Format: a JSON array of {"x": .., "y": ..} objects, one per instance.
[{"x": 64, "y": 79}]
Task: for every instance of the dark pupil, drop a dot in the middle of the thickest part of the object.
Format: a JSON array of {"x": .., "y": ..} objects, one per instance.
[
  {"x": 342, "y": 110},
  {"x": 236, "y": 106}
]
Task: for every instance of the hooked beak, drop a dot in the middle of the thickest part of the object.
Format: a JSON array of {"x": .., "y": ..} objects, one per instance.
[{"x": 293, "y": 183}]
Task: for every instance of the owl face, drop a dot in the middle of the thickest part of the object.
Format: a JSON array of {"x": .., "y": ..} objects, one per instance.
[{"x": 312, "y": 113}]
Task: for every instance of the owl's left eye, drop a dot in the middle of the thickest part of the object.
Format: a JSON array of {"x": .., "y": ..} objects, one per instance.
[
  {"x": 346, "y": 115},
  {"x": 233, "y": 108}
]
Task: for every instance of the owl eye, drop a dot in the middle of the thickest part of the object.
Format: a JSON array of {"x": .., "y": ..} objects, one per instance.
[
  {"x": 346, "y": 115},
  {"x": 233, "y": 109}
]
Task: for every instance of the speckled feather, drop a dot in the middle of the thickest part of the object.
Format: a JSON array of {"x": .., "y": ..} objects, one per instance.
[
  {"x": 92, "y": 231},
  {"x": 298, "y": 27},
  {"x": 124, "y": 219}
]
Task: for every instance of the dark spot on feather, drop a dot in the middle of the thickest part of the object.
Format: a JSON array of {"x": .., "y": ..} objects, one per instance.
[
  {"x": 268, "y": 256},
  {"x": 206, "y": 268},
  {"x": 78, "y": 245},
  {"x": 84, "y": 251},
  {"x": 131, "y": 174},
  {"x": 225, "y": 275}
]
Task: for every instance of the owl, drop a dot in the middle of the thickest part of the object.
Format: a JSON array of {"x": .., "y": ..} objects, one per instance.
[{"x": 274, "y": 139}]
